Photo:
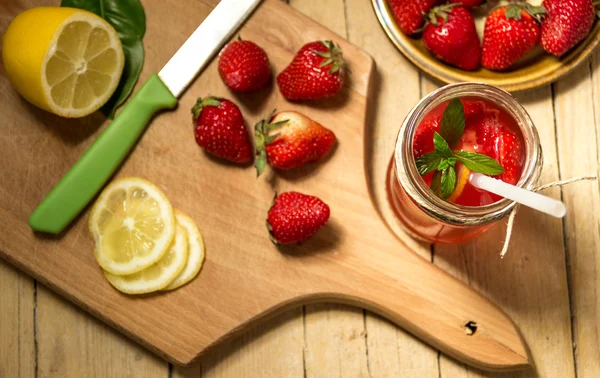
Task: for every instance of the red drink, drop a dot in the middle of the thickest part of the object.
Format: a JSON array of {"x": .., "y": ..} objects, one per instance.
[
  {"x": 489, "y": 130},
  {"x": 496, "y": 125}
]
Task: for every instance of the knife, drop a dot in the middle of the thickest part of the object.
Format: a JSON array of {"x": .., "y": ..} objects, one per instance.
[{"x": 77, "y": 188}]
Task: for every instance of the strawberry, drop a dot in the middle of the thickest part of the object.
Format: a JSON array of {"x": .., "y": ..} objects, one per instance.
[
  {"x": 510, "y": 156},
  {"x": 474, "y": 110},
  {"x": 423, "y": 139},
  {"x": 487, "y": 133},
  {"x": 510, "y": 32},
  {"x": 409, "y": 13},
  {"x": 568, "y": 22},
  {"x": 244, "y": 66},
  {"x": 295, "y": 217},
  {"x": 451, "y": 37},
  {"x": 289, "y": 140},
  {"x": 468, "y": 3},
  {"x": 220, "y": 129},
  {"x": 317, "y": 71}
]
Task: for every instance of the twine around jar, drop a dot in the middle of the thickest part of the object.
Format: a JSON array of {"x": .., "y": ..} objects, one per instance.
[{"x": 513, "y": 213}]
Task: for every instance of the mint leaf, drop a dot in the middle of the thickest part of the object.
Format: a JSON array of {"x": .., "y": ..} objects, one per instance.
[
  {"x": 445, "y": 163},
  {"x": 441, "y": 147},
  {"x": 448, "y": 182},
  {"x": 436, "y": 183},
  {"x": 479, "y": 163},
  {"x": 453, "y": 122},
  {"x": 428, "y": 163}
]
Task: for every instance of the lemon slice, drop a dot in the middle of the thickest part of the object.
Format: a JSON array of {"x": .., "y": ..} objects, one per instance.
[
  {"x": 66, "y": 61},
  {"x": 132, "y": 224},
  {"x": 195, "y": 252},
  {"x": 158, "y": 275}
]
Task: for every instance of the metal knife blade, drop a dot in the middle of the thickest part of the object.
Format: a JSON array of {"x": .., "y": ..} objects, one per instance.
[{"x": 206, "y": 40}]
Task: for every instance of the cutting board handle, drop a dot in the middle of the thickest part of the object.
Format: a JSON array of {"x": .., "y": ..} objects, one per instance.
[{"x": 429, "y": 303}]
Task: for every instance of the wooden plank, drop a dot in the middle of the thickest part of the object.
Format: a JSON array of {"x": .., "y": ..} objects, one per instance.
[
  {"x": 335, "y": 342},
  {"x": 335, "y": 335},
  {"x": 273, "y": 349},
  {"x": 577, "y": 107},
  {"x": 17, "y": 339},
  {"x": 391, "y": 350},
  {"x": 73, "y": 344},
  {"x": 395, "y": 353},
  {"x": 522, "y": 280}
]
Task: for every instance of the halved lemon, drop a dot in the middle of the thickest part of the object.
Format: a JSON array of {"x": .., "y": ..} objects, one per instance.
[
  {"x": 132, "y": 224},
  {"x": 158, "y": 275},
  {"x": 195, "y": 252},
  {"x": 66, "y": 61}
]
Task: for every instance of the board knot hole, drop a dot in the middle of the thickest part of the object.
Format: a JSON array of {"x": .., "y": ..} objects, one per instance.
[{"x": 470, "y": 328}]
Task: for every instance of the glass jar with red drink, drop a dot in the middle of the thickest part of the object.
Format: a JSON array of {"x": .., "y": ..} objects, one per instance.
[{"x": 497, "y": 126}]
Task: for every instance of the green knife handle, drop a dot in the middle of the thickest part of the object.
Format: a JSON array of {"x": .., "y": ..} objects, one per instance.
[{"x": 100, "y": 161}]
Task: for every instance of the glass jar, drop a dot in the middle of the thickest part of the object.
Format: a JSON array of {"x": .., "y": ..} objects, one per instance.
[{"x": 426, "y": 216}]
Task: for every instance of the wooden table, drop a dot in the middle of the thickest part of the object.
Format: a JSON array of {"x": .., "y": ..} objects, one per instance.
[{"x": 548, "y": 282}]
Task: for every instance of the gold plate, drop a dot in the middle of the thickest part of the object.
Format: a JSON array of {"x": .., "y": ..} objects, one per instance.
[{"x": 537, "y": 70}]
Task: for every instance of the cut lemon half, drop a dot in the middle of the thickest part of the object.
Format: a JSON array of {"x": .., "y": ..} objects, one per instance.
[
  {"x": 64, "y": 60},
  {"x": 159, "y": 275},
  {"x": 195, "y": 252},
  {"x": 132, "y": 224}
]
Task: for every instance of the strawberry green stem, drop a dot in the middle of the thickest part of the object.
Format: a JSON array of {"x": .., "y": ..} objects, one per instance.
[
  {"x": 439, "y": 11},
  {"x": 262, "y": 138},
  {"x": 334, "y": 56},
  {"x": 201, "y": 103}
]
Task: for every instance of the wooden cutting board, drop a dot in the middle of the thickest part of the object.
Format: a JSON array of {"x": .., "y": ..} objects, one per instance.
[{"x": 355, "y": 259}]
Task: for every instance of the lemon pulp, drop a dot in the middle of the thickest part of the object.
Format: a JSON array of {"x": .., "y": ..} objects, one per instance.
[
  {"x": 158, "y": 275},
  {"x": 132, "y": 224}
]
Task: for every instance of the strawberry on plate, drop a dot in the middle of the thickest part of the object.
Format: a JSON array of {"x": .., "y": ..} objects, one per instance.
[
  {"x": 409, "y": 13},
  {"x": 317, "y": 71},
  {"x": 244, "y": 66},
  {"x": 567, "y": 23},
  {"x": 468, "y": 3},
  {"x": 510, "y": 32},
  {"x": 451, "y": 36},
  {"x": 220, "y": 129},
  {"x": 295, "y": 217},
  {"x": 289, "y": 140}
]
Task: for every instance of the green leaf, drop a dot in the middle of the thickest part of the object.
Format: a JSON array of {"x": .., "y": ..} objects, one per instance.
[
  {"x": 134, "y": 60},
  {"x": 428, "y": 163},
  {"x": 453, "y": 122},
  {"x": 441, "y": 147},
  {"x": 448, "y": 182},
  {"x": 436, "y": 183},
  {"x": 129, "y": 20},
  {"x": 479, "y": 163},
  {"x": 126, "y": 16}
]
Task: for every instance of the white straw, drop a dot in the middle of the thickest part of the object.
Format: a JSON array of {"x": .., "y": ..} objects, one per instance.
[{"x": 525, "y": 197}]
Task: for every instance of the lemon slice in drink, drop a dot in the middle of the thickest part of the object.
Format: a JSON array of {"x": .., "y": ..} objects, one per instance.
[
  {"x": 158, "y": 275},
  {"x": 132, "y": 224},
  {"x": 66, "y": 61},
  {"x": 195, "y": 252}
]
